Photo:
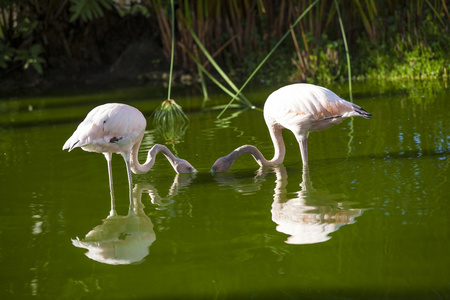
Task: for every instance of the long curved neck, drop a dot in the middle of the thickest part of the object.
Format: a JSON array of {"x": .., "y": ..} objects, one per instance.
[
  {"x": 137, "y": 168},
  {"x": 278, "y": 144}
]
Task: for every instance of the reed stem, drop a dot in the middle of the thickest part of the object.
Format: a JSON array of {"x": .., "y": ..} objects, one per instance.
[
  {"x": 172, "y": 50},
  {"x": 267, "y": 56},
  {"x": 346, "y": 51}
]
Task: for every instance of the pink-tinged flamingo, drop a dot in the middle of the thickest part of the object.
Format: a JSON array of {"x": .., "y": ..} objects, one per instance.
[
  {"x": 301, "y": 108},
  {"x": 119, "y": 128}
]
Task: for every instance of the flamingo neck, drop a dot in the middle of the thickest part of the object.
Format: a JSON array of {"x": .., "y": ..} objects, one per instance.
[
  {"x": 279, "y": 147},
  {"x": 138, "y": 168}
]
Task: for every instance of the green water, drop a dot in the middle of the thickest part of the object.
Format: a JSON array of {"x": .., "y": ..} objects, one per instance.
[{"x": 371, "y": 221}]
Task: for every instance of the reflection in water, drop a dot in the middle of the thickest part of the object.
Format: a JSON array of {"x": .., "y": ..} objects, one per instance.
[
  {"x": 229, "y": 179},
  {"x": 312, "y": 215},
  {"x": 308, "y": 217},
  {"x": 179, "y": 182},
  {"x": 126, "y": 239},
  {"x": 121, "y": 239}
]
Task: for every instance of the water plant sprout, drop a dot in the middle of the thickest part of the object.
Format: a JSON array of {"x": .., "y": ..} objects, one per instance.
[{"x": 169, "y": 119}]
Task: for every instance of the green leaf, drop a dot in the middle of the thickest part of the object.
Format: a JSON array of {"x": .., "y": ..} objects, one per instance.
[
  {"x": 38, "y": 67},
  {"x": 88, "y": 9}
]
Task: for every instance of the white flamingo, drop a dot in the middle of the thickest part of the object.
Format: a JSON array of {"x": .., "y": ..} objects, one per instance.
[
  {"x": 301, "y": 108},
  {"x": 119, "y": 128}
]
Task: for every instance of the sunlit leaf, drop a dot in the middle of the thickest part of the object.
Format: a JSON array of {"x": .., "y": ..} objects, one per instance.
[{"x": 89, "y": 9}]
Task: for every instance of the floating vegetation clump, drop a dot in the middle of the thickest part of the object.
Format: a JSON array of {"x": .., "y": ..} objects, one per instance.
[{"x": 170, "y": 121}]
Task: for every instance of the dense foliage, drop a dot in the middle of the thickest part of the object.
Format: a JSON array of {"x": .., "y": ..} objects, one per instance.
[{"x": 387, "y": 39}]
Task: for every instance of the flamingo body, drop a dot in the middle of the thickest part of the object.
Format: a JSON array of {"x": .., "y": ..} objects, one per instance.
[
  {"x": 119, "y": 128},
  {"x": 300, "y": 108},
  {"x": 111, "y": 127},
  {"x": 303, "y": 108}
]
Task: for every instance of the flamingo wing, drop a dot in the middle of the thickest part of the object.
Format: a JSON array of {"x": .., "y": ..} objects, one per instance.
[
  {"x": 106, "y": 125},
  {"x": 305, "y": 107}
]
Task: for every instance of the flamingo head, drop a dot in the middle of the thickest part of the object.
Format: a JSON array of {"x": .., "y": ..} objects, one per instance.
[
  {"x": 182, "y": 166},
  {"x": 223, "y": 164}
]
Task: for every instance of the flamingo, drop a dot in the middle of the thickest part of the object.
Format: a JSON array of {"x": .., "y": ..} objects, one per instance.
[
  {"x": 301, "y": 108},
  {"x": 119, "y": 128}
]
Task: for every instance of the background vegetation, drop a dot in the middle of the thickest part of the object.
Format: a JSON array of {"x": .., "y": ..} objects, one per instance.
[{"x": 387, "y": 39}]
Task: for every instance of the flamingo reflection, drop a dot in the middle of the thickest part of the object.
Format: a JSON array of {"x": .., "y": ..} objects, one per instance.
[
  {"x": 121, "y": 239},
  {"x": 307, "y": 216},
  {"x": 127, "y": 239},
  {"x": 312, "y": 215}
]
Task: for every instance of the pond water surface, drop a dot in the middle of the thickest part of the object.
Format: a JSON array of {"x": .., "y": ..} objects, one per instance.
[{"x": 369, "y": 219}]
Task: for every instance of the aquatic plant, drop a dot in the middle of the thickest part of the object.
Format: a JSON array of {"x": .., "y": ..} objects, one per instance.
[
  {"x": 169, "y": 119},
  {"x": 170, "y": 122}
]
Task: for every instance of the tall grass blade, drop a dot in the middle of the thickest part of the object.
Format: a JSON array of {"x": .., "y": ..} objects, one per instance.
[
  {"x": 217, "y": 67},
  {"x": 268, "y": 55},
  {"x": 446, "y": 10},
  {"x": 169, "y": 119},
  {"x": 350, "y": 134},
  {"x": 172, "y": 50},
  {"x": 365, "y": 19},
  {"x": 210, "y": 76},
  {"x": 202, "y": 79},
  {"x": 346, "y": 51},
  {"x": 436, "y": 13}
]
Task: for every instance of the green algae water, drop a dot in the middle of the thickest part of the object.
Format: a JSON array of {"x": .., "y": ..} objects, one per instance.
[{"x": 369, "y": 219}]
